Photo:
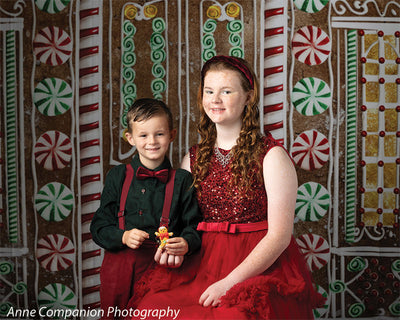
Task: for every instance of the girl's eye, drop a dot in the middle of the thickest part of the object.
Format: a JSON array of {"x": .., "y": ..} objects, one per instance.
[
  {"x": 208, "y": 92},
  {"x": 226, "y": 92}
]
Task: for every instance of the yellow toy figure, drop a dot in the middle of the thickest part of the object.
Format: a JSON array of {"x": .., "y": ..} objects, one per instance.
[{"x": 163, "y": 235}]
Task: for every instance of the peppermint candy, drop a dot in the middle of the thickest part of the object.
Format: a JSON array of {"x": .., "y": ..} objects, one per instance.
[
  {"x": 52, "y": 97},
  {"x": 56, "y": 296},
  {"x": 53, "y": 150},
  {"x": 52, "y": 46},
  {"x": 310, "y": 6},
  {"x": 311, "y": 96},
  {"x": 51, "y": 6},
  {"x": 54, "y": 202},
  {"x": 55, "y": 252},
  {"x": 311, "y": 45},
  {"x": 315, "y": 249},
  {"x": 310, "y": 150},
  {"x": 312, "y": 202}
]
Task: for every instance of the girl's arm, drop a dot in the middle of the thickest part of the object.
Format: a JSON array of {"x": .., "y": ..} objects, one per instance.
[
  {"x": 281, "y": 186},
  {"x": 186, "y": 163}
]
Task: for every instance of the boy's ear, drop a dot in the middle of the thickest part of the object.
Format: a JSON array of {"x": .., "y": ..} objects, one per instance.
[
  {"x": 129, "y": 138},
  {"x": 173, "y": 133}
]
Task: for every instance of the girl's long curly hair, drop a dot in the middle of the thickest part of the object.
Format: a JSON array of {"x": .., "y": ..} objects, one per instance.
[{"x": 246, "y": 166}]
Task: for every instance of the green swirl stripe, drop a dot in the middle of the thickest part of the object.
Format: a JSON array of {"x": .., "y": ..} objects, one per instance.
[
  {"x": 208, "y": 41},
  {"x": 159, "y": 25},
  {"x": 11, "y": 136},
  {"x": 158, "y": 56},
  {"x": 210, "y": 26},
  {"x": 19, "y": 288},
  {"x": 235, "y": 27},
  {"x": 394, "y": 308},
  {"x": 396, "y": 266},
  {"x": 128, "y": 88},
  {"x": 351, "y": 128},
  {"x": 5, "y": 308},
  {"x": 356, "y": 264},
  {"x": 356, "y": 310},
  {"x": 6, "y": 267},
  {"x": 129, "y": 29},
  {"x": 337, "y": 286}
]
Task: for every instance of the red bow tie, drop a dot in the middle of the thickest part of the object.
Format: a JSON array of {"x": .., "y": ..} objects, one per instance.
[{"x": 144, "y": 173}]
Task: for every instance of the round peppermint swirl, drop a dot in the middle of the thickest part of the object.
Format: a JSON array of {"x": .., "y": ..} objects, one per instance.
[
  {"x": 311, "y": 96},
  {"x": 310, "y": 6},
  {"x": 53, "y": 96},
  {"x": 57, "y": 296},
  {"x": 312, "y": 202},
  {"x": 51, "y": 6},
  {"x": 54, "y": 202}
]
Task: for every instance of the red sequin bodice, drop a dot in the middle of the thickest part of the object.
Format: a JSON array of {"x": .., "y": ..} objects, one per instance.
[{"x": 219, "y": 203}]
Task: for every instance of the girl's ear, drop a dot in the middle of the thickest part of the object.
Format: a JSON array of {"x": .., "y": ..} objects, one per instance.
[
  {"x": 172, "y": 134},
  {"x": 250, "y": 95}
]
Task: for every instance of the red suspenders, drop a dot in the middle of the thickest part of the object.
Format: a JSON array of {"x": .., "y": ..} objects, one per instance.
[{"x": 169, "y": 189}]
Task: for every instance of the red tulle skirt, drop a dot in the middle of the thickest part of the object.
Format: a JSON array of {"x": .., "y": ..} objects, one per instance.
[{"x": 284, "y": 291}]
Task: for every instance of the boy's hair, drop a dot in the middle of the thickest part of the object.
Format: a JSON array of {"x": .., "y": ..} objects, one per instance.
[{"x": 146, "y": 108}]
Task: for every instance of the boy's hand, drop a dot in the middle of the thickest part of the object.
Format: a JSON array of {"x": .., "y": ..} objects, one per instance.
[
  {"x": 134, "y": 238},
  {"x": 177, "y": 246},
  {"x": 168, "y": 260}
]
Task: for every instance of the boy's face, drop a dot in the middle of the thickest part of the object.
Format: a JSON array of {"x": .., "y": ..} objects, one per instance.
[{"x": 151, "y": 138}]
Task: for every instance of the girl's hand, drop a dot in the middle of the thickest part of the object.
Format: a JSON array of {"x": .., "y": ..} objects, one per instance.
[
  {"x": 177, "y": 246},
  {"x": 134, "y": 238},
  {"x": 212, "y": 295},
  {"x": 168, "y": 260}
]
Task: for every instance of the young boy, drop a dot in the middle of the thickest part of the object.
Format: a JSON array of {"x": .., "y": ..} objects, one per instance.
[{"x": 131, "y": 247}]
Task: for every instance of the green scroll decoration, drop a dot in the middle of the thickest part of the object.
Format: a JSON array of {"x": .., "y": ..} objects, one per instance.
[
  {"x": 235, "y": 28},
  {"x": 158, "y": 56},
  {"x": 128, "y": 88},
  {"x": 208, "y": 41}
]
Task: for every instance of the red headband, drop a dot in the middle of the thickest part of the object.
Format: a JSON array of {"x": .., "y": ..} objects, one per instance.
[{"x": 235, "y": 62}]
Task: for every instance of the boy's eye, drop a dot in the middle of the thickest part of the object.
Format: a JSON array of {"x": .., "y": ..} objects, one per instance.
[{"x": 226, "y": 92}]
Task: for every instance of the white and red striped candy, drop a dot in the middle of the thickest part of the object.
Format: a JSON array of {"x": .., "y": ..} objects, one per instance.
[{"x": 55, "y": 252}]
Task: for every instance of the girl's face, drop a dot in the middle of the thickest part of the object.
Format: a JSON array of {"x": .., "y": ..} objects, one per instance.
[
  {"x": 224, "y": 98},
  {"x": 151, "y": 138}
]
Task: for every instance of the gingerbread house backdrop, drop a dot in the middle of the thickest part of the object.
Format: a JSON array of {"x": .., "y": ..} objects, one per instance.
[{"x": 330, "y": 80}]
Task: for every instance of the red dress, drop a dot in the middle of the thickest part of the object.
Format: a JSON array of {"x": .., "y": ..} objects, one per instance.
[{"x": 284, "y": 291}]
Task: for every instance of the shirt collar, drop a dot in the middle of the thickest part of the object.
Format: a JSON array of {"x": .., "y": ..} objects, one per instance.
[{"x": 166, "y": 164}]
